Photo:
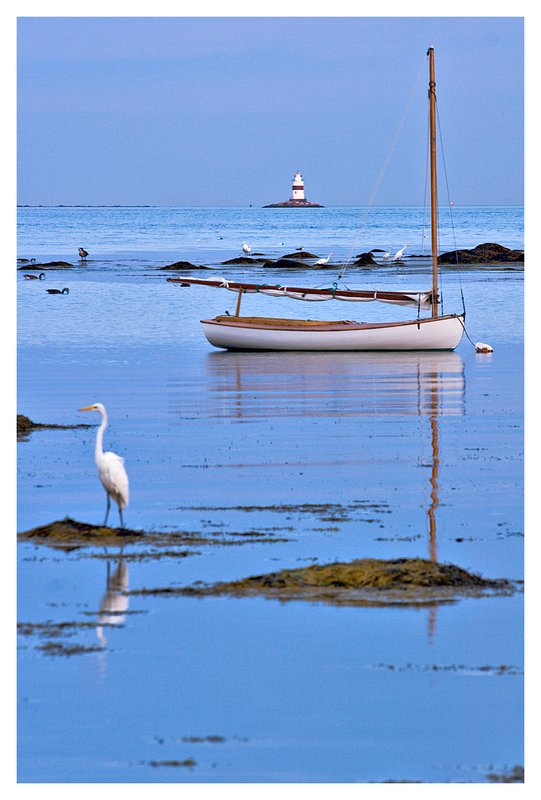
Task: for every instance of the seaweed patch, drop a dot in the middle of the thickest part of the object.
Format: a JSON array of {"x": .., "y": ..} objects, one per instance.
[{"x": 363, "y": 582}]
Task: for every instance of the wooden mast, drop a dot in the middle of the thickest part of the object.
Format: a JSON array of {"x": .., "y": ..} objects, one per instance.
[{"x": 433, "y": 182}]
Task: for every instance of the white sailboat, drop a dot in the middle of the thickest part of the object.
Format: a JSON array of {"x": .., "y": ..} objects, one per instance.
[{"x": 434, "y": 332}]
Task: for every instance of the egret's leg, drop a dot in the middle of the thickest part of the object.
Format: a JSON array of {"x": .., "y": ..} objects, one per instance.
[
  {"x": 107, "y": 512},
  {"x": 121, "y": 520}
]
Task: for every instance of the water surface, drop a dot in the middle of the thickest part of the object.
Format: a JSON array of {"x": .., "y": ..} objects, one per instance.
[{"x": 325, "y": 457}]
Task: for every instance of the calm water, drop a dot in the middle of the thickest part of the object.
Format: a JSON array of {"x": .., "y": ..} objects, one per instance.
[{"x": 325, "y": 456}]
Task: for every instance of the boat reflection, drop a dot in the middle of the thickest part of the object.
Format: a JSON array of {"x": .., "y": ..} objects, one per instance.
[
  {"x": 243, "y": 385},
  {"x": 248, "y": 385}
]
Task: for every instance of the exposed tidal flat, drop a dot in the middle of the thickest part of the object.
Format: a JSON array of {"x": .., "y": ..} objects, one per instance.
[{"x": 249, "y": 464}]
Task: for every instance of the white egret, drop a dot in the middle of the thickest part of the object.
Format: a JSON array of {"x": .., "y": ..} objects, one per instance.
[
  {"x": 247, "y": 249},
  {"x": 111, "y": 470},
  {"x": 399, "y": 253},
  {"x": 386, "y": 255},
  {"x": 65, "y": 290},
  {"x": 82, "y": 252},
  {"x": 323, "y": 261}
]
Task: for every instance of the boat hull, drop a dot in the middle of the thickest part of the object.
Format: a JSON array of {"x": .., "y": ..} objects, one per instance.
[{"x": 243, "y": 333}]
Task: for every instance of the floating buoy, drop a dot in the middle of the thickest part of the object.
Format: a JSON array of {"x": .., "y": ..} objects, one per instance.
[{"x": 481, "y": 347}]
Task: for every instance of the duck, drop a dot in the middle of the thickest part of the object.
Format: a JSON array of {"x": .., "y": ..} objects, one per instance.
[
  {"x": 65, "y": 290},
  {"x": 82, "y": 252},
  {"x": 35, "y": 277}
]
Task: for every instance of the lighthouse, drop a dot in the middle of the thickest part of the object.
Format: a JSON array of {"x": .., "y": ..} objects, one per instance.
[
  {"x": 297, "y": 188},
  {"x": 297, "y": 198}
]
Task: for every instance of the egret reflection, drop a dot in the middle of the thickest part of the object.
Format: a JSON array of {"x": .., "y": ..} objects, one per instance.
[{"x": 115, "y": 601}]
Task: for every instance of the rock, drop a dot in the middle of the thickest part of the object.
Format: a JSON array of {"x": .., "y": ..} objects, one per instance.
[
  {"x": 300, "y": 254},
  {"x": 365, "y": 260},
  {"x": 487, "y": 253},
  {"x": 294, "y": 204},
  {"x": 49, "y": 265},
  {"x": 182, "y": 265},
  {"x": 282, "y": 263},
  {"x": 244, "y": 260}
]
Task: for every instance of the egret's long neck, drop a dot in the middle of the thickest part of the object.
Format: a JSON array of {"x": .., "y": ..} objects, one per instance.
[{"x": 99, "y": 435}]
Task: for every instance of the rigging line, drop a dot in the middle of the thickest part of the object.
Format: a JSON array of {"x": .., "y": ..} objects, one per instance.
[
  {"x": 383, "y": 169},
  {"x": 450, "y": 208}
]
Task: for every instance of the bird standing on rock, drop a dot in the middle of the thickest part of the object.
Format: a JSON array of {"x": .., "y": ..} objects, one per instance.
[
  {"x": 65, "y": 290},
  {"x": 82, "y": 252},
  {"x": 111, "y": 470},
  {"x": 399, "y": 253},
  {"x": 247, "y": 249}
]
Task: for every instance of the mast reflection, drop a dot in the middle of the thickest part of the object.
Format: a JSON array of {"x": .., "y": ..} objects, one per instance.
[{"x": 430, "y": 384}]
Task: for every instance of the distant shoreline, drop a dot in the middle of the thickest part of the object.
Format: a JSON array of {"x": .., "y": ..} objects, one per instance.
[{"x": 256, "y": 208}]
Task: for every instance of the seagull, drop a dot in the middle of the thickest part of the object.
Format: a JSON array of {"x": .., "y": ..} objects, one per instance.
[
  {"x": 35, "y": 277},
  {"x": 246, "y": 248},
  {"x": 65, "y": 290},
  {"x": 82, "y": 252},
  {"x": 323, "y": 261},
  {"x": 386, "y": 255},
  {"x": 399, "y": 253}
]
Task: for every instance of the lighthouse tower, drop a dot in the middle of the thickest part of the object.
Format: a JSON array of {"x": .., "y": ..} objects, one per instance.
[
  {"x": 297, "y": 198},
  {"x": 297, "y": 189}
]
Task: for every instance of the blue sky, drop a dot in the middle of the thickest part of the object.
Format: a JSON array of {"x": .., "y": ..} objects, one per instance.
[{"x": 223, "y": 110}]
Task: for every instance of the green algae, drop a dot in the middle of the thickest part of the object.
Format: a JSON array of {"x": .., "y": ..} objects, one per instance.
[
  {"x": 201, "y": 739},
  {"x": 301, "y": 508},
  {"x": 61, "y": 649},
  {"x": 363, "y": 582},
  {"x": 52, "y": 629},
  {"x": 69, "y": 534},
  {"x": 25, "y": 426},
  {"x": 516, "y": 775}
]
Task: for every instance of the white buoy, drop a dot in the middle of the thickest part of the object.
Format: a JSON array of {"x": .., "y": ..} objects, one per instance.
[{"x": 481, "y": 347}]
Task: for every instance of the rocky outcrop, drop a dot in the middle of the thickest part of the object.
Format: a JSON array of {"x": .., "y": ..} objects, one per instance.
[
  {"x": 48, "y": 265},
  {"x": 283, "y": 263},
  {"x": 244, "y": 260},
  {"x": 487, "y": 253},
  {"x": 365, "y": 260},
  {"x": 294, "y": 204},
  {"x": 300, "y": 254},
  {"x": 182, "y": 265}
]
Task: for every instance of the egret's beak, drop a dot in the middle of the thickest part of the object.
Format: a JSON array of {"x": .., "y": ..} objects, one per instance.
[{"x": 88, "y": 408}]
